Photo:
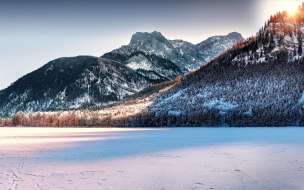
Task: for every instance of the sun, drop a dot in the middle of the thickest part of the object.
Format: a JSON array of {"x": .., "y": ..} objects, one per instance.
[
  {"x": 292, "y": 12},
  {"x": 290, "y": 6}
]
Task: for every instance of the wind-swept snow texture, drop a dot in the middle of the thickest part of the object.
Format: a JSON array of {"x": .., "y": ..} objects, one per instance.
[{"x": 179, "y": 158}]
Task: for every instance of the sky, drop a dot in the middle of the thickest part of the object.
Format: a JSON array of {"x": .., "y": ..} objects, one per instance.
[{"x": 33, "y": 32}]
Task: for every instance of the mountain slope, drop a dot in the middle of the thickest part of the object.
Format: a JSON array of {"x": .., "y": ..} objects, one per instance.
[
  {"x": 68, "y": 83},
  {"x": 158, "y": 58},
  {"x": 258, "y": 82}
]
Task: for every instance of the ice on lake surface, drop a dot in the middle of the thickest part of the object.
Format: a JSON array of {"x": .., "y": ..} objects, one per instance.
[{"x": 174, "y": 158}]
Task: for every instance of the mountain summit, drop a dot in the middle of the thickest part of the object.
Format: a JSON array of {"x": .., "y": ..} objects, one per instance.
[
  {"x": 148, "y": 38},
  {"x": 236, "y": 36}
]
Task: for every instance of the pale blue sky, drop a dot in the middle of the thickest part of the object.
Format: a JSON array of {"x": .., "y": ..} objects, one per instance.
[{"x": 34, "y": 32}]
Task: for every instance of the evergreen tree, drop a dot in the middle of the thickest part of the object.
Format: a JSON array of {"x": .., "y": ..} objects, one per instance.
[
  {"x": 299, "y": 42},
  {"x": 272, "y": 42}
]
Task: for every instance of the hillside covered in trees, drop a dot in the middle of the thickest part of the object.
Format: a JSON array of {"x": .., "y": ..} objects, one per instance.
[
  {"x": 258, "y": 82},
  {"x": 71, "y": 83}
]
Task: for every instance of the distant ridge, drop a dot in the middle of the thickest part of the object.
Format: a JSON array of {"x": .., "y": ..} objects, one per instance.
[{"x": 160, "y": 59}]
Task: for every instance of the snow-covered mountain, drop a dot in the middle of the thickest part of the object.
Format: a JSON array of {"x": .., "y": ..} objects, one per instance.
[
  {"x": 86, "y": 81},
  {"x": 69, "y": 83},
  {"x": 257, "y": 82},
  {"x": 158, "y": 58}
]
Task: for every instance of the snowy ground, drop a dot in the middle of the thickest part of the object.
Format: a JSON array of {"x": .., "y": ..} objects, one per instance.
[{"x": 178, "y": 158}]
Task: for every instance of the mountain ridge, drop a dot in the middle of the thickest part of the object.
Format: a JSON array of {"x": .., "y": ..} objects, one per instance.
[
  {"x": 71, "y": 82},
  {"x": 86, "y": 81},
  {"x": 184, "y": 55}
]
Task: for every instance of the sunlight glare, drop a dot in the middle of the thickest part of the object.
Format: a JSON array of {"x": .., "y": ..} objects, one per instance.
[
  {"x": 272, "y": 7},
  {"x": 45, "y": 136},
  {"x": 290, "y": 6}
]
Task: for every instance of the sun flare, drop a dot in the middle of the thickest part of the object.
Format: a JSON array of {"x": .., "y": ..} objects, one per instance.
[
  {"x": 292, "y": 12},
  {"x": 290, "y": 6}
]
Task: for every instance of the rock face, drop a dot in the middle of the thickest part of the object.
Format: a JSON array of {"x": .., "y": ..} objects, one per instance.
[
  {"x": 69, "y": 83},
  {"x": 160, "y": 59}
]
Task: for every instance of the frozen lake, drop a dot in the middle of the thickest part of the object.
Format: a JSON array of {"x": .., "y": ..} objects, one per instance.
[{"x": 175, "y": 158}]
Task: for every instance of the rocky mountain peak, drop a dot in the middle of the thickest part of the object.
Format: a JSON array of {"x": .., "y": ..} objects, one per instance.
[
  {"x": 235, "y": 35},
  {"x": 146, "y": 37},
  {"x": 157, "y": 58}
]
